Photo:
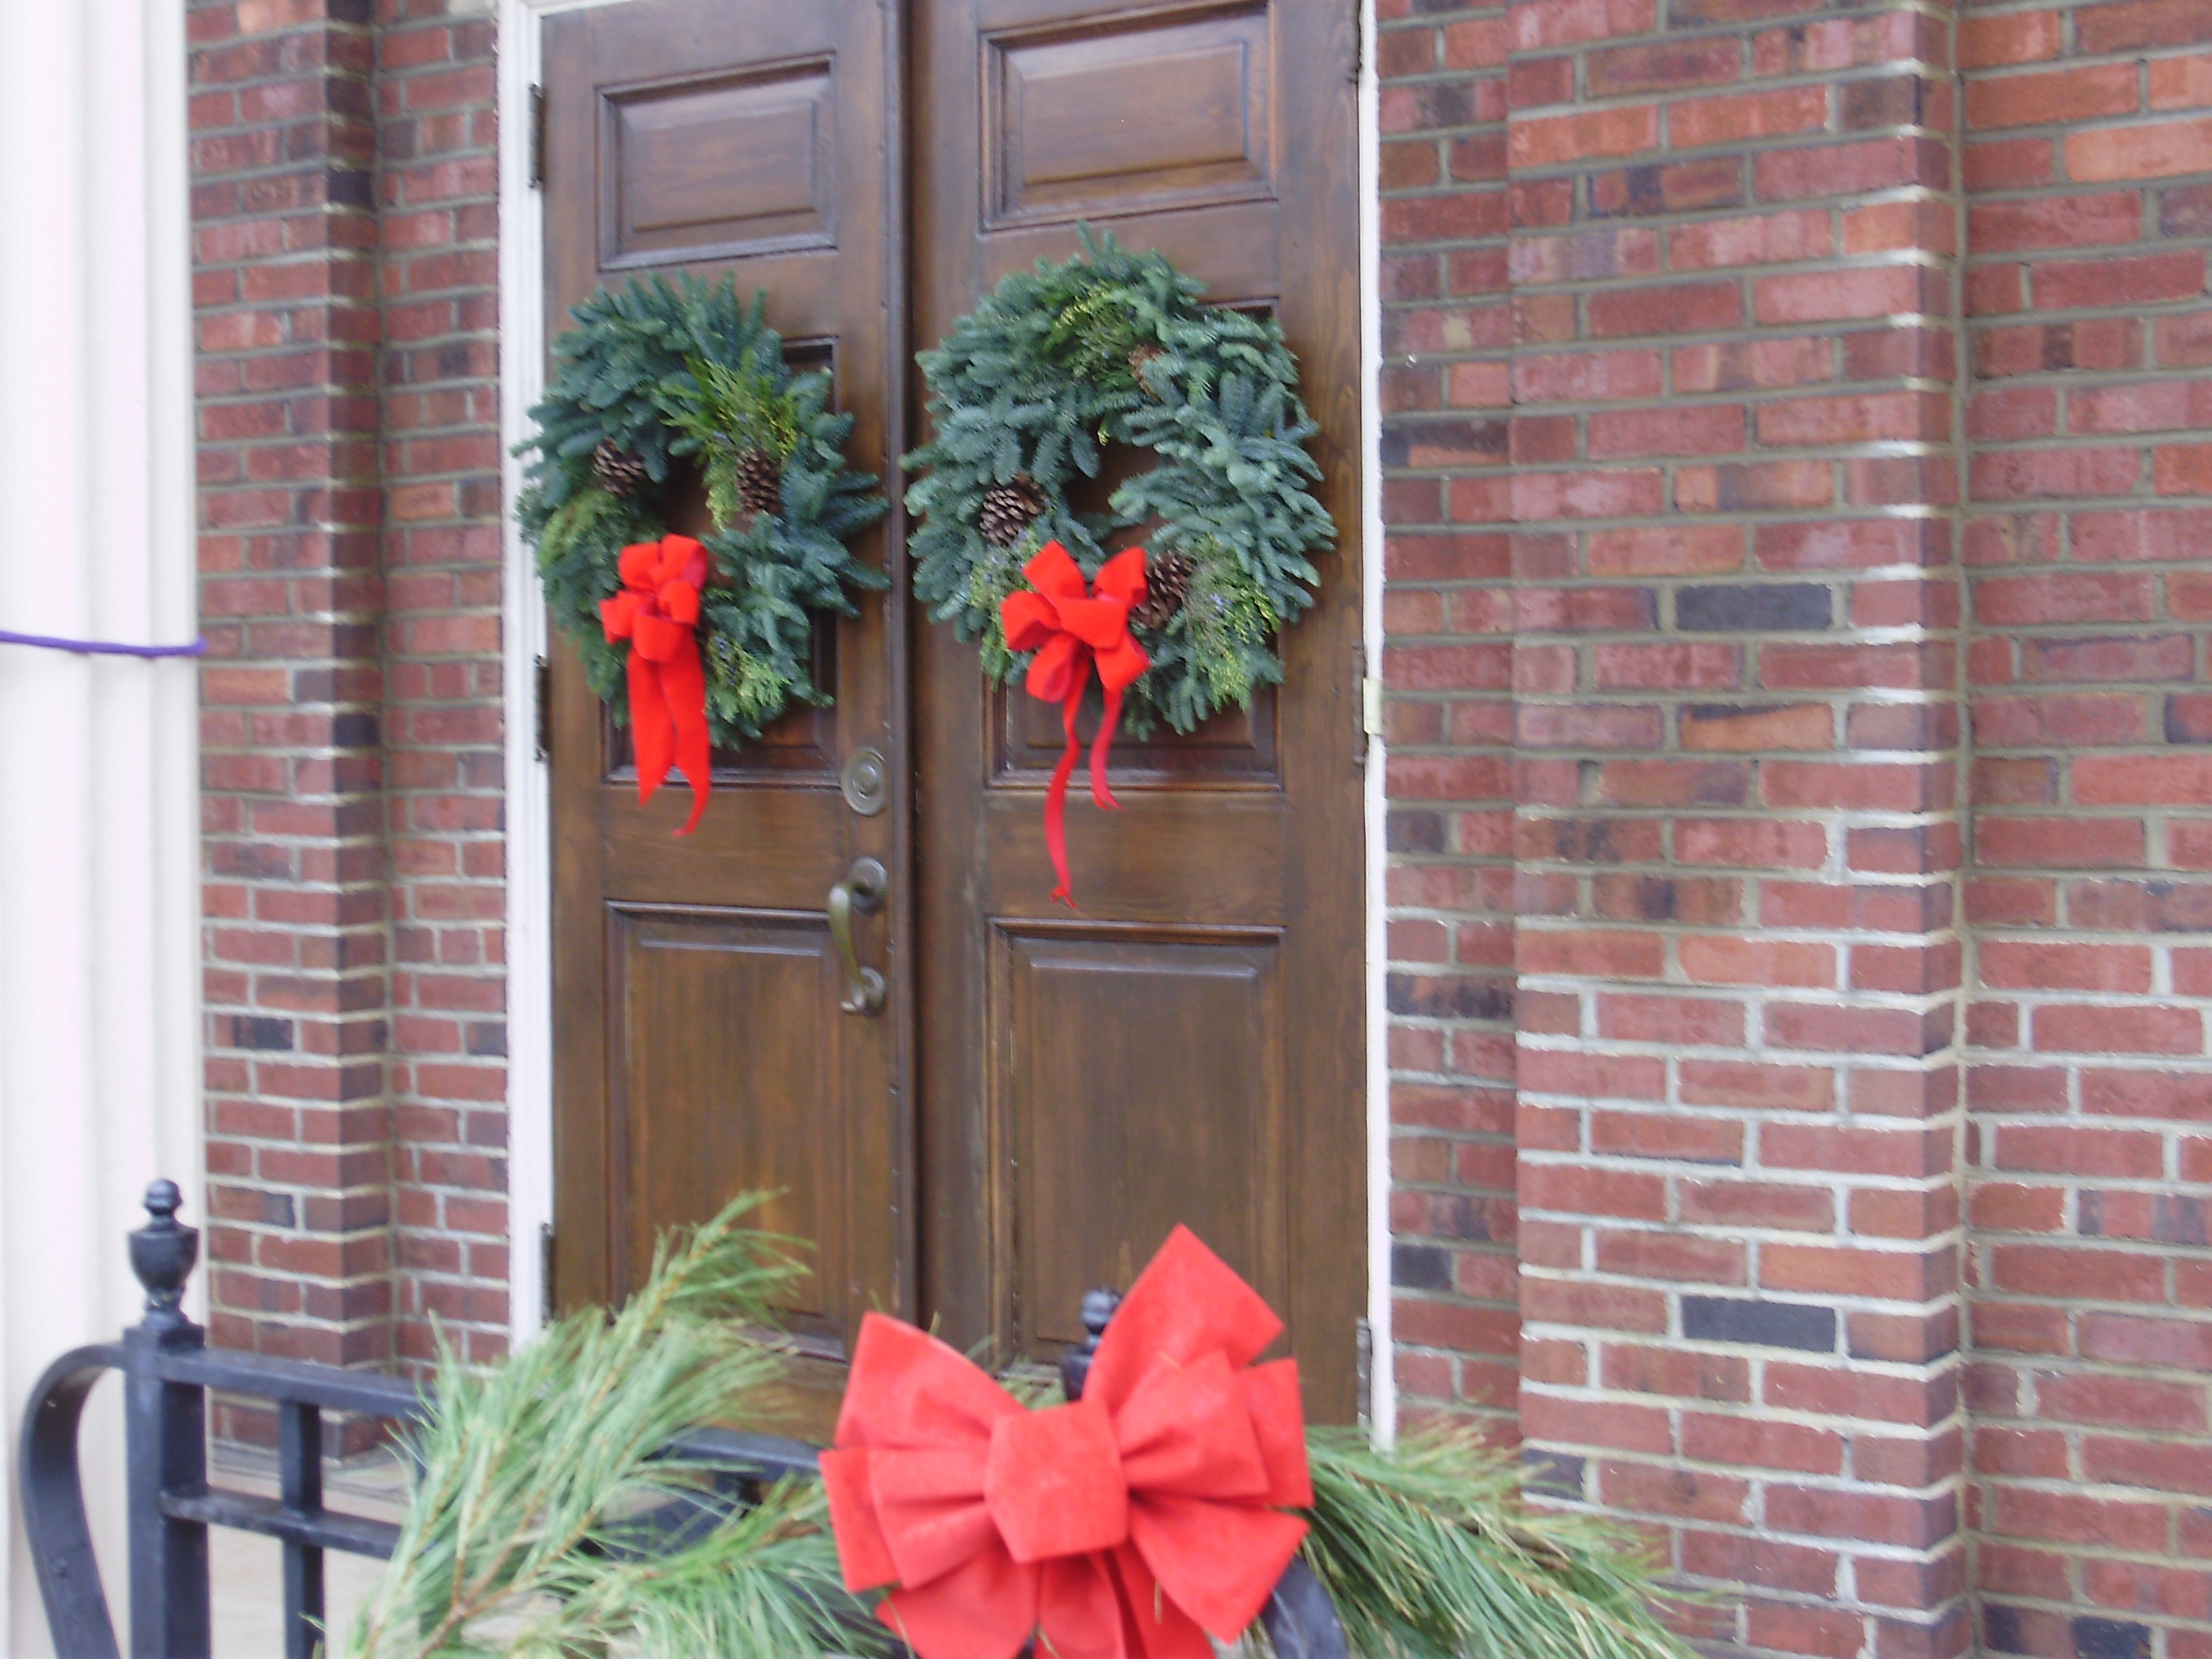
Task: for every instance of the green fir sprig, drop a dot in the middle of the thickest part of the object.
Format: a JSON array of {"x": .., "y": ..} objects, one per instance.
[
  {"x": 1110, "y": 348},
  {"x": 685, "y": 375},
  {"x": 521, "y": 1536},
  {"x": 1428, "y": 1552}
]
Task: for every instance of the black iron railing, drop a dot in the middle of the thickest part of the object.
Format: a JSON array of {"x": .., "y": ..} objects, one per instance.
[{"x": 168, "y": 1368}]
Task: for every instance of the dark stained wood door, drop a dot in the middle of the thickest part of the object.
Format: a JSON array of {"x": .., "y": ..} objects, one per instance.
[
  {"x": 1045, "y": 1093},
  {"x": 1190, "y": 1048},
  {"x": 700, "y": 1049}
]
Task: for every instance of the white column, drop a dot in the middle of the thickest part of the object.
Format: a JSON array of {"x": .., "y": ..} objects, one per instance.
[{"x": 99, "y": 1039}]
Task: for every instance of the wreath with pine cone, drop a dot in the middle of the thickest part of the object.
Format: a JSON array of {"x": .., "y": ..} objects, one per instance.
[
  {"x": 662, "y": 387},
  {"x": 1114, "y": 347}
]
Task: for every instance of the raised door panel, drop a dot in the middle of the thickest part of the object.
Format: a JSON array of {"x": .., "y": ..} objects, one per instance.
[
  {"x": 1143, "y": 112},
  {"x": 1138, "y": 1085},
  {"x": 719, "y": 1031},
  {"x": 718, "y": 165}
]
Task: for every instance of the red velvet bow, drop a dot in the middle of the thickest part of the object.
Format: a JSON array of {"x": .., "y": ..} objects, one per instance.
[
  {"x": 1126, "y": 1525},
  {"x": 1071, "y": 627},
  {"x": 657, "y": 612}
]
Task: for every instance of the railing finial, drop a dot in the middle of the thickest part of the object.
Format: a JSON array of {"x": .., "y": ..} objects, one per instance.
[
  {"x": 163, "y": 1252},
  {"x": 1098, "y": 1306}
]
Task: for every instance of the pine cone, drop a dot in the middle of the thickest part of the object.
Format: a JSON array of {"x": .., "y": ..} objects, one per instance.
[
  {"x": 1167, "y": 585},
  {"x": 620, "y": 470},
  {"x": 759, "y": 482},
  {"x": 1009, "y": 509},
  {"x": 1141, "y": 359}
]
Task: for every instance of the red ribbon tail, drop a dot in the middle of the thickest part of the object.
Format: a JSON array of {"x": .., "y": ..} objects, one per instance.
[
  {"x": 649, "y": 734},
  {"x": 1055, "y": 797},
  {"x": 684, "y": 684},
  {"x": 1099, "y": 792}
]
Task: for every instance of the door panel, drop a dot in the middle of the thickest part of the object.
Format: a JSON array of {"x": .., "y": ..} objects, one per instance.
[
  {"x": 1044, "y": 1094},
  {"x": 1135, "y": 113},
  {"x": 1114, "y": 1141},
  {"x": 710, "y": 1000},
  {"x": 1192, "y": 1048},
  {"x": 701, "y": 1050}
]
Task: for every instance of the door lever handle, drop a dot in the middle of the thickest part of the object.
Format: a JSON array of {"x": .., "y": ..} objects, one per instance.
[{"x": 863, "y": 889}]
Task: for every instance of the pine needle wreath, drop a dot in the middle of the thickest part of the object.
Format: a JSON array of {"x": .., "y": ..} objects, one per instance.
[
  {"x": 659, "y": 380},
  {"x": 1114, "y": 347},
  {"x": 521, "y": 1536}
]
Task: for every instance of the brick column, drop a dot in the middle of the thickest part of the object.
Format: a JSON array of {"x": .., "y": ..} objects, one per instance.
[
  {"x": 439, "y": 238},
  {"x": 299, "y": 1140},
  {"x": 2088, "y": 537},
  {"x": 1447, "y": 614},
  {"x": 1735, "y": 670}
]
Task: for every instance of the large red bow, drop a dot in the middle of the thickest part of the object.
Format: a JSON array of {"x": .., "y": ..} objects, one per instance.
[
  {"x": 1127, "y": 1525},
  {"x": 657, "y": 612},
  {"x": 1073, "y": 626}
]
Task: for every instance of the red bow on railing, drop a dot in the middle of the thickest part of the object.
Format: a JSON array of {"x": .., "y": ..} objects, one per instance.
[
  {"x": 1127, "y": 1525},
  {"x": 657, "y": 612},
  {"x": 1071, "y": 628}
]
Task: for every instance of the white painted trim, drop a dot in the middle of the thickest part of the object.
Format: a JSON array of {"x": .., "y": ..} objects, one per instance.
[
  {"x": 529, "y": 826},
  {"x": 522, "y": 638},
  {"x": 1383, "y": 1396},
  {"x": 529, "y": 821}
]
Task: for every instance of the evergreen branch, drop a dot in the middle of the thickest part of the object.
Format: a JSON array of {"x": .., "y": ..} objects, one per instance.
[
  {"x": 522, "y": 1534},
  {"x": 1427, "y": 1554}
]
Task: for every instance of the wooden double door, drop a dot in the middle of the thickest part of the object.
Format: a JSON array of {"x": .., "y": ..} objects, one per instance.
[{"x": 1037, "y": 1097}]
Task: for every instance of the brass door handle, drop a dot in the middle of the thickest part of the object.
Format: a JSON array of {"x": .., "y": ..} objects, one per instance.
[{"x": 863, "y": 889}]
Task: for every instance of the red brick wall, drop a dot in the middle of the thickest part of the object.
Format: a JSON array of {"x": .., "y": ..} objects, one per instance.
[
  {"x": 438, "y": 213},
  {"x": 344, "y": 250},
  {"x": 2086, "y": 544},
  {"x": 291, "y": 591},
  {"x": 1729, "y": 330},
  {"x": 1737, "y": 828},
  {"x": 1448, "y": 662}
]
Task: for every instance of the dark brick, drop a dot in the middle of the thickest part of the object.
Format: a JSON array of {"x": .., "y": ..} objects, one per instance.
[
  {"x": 1433, "y": 443},
  {"x": 259, "y": 1031},
  {"x": 1414, "y": 832},
  {"x": 1554, "y": 1474},
  {"x": 2110, "y": 1638},
  {"x": 2003, "y": 1628},
  {"x": 1742, "y": 607},
  {"x": 1420, "y": 1268},
  {"x": 1764, "y": 1324},
  {"x": 1437, "y": 996}
]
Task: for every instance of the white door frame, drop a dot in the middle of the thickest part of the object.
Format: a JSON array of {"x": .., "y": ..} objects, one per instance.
[{"x": 528, "y": 820}]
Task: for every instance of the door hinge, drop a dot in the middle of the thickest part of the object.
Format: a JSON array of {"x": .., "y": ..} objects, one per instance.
[
  {"x": 1364, "y": 1373},
  {"x": 1358, "y": 41},
  {"x": 542, "y": 715},
  {"x": 544, "y": 1273},
  {"x": 538, "y": 137},
  {"x": 1371, "y": 702}
]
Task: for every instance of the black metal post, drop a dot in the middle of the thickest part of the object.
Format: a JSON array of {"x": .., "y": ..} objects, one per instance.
[
  {"x": 165, "y": 1444},
  {"x": 300, "y": 1469}
]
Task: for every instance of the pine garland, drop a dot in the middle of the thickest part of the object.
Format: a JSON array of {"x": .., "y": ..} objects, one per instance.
[
  {"x": 519, "y": 1540},
  {"x": 519, "y": 1537},
  {"x": 1428, "y": 1553},
  {"x": 680, "y": 376},
  {"x": 1114, "y": 347}
]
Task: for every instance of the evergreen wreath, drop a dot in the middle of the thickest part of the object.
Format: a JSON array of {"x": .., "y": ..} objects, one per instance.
[
  {"x": 662, "y": 373},
  {"x": 1113, "y": 348}
]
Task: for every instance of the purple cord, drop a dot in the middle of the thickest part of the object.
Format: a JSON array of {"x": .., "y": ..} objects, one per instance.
[{"x": 102, "y": 649}]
